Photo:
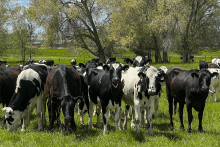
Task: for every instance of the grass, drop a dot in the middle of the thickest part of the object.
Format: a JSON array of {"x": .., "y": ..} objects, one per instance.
[{"x": 162, "y": 135}]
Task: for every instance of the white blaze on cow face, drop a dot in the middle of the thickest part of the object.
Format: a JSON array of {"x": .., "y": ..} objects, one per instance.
[
  {"x": 12, "y": 118},
  {"x": 115, "y": 66},
  {"x": 152, "y": 74},
  {"x": 138, "y": 58}
]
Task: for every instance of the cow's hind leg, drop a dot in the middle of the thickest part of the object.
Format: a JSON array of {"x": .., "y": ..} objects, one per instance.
[
  {"x": 190, "y": 116},
  {"x": 25, "y": 121},
  {"x": 38, "y": 112},
  {"x": 117, "y": 115},
  {"x": 142, "y": 118},
  {"x": 98, "y": 112},
  {"x": 156, "y": 104},
  {"x": 216, "y": 93},
  {"x": 104, "y": 119},
  {"x": 126, "y": 117},
  {"x": 149, "y": 115},
  {"x": 181, "y": 106},
  {"x": 52, "y": 113},
  {"x": 170, "y": 101},
  {"x": 90, "y": 115}
]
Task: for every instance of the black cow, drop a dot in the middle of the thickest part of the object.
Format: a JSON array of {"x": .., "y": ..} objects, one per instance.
[
  {"x": 203, "y": 64},
  {"x": 128, "y": 60},
  {"x": 49, "y": 63},
  {"x": 106, "y": 91},
  {"x": 8, "y": 78},
  {"x": 213, "y": 65},
  {"x": 190, "y": 87},
  {"x": 29, "y": 93},
  {"x": 64, "y": 89},
  {"x": 110, "y": 60},
  {"x": 73, "y": 62}
]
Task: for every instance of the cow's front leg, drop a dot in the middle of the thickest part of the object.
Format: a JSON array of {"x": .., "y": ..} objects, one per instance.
[
  {"x": 170, "y": 101},
  {"x": 105, "y": 119},
  {"x": 142, "y": 118},
  {"x": 25, "y": 122},
  {"x": 181, "y": 106},
  {"x": 149, "y": 115},
  {"x": 52, "y": 113},
  {"x": 126, "y": 119},
  {"x": 156, "y": 104},
  {"x": 137, "y": 111},
  {"x": 90, "y": 115},
  {"x": 132, "y": 117},
  {"x": 98, "y": 112},
  {"x": 44, "y": 110},
  {"x": 38, "y": 112},
  {"x": 117, "y": 115},
  {"x": 200, "y": 115},
  {"x": 216, "y": 93},
  {"x": 190, "y": 116}
]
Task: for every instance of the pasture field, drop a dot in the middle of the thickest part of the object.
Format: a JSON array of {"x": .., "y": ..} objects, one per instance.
[{"x": 162, "y": 135}]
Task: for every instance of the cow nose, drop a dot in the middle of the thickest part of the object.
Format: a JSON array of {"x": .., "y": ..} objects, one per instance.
[
  {"x": 115, "y": 79},
  {"x": 205, "y": 88}
]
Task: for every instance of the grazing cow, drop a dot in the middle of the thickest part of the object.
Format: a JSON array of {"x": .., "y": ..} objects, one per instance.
[
  {"x": 128, "y": 60},
  {"x": 213, "y": 65},
  {"x": 8, "y": 77},
  {"x": 73, "y": 62},
  {"x": 216, "y": 61},
  {"x": 142, "y": 88},
  {"x": 190, "y": 87},
  {"x": 29, "y": 93},
  {"x": 105, "y": 90},
  {"x": 110, "y": 60},
  {"x": 203, "y": 64},
  {"x": 49, "y": 63},
  {"x": 215, "y": 84},
  {"x": 64, "y": 89}
]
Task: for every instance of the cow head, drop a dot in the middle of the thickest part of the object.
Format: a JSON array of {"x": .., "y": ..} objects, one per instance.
[
  {"x": 204, "y": 78},
  {"x": 109, "y": 60},
  {"x": 115, "y": 69},
  {"x": 73, "y": 62},
  {"x": 154, "y": 77},
  {"x": 138, "y": 61},
  {"x": 68, "y": 104},
  {"x": 12, "y": 118},
  {"x": 128, "y": 60}
]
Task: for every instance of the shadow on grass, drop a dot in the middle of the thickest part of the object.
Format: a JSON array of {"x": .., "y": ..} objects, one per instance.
[{"x": 140, "y": 137}]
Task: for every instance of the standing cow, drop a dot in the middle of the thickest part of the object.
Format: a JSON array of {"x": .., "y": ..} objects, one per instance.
[
  {"x": 64, "y": 89},
  {"x": 190, "y": 87},
  {"x": 29, "y": 93}
]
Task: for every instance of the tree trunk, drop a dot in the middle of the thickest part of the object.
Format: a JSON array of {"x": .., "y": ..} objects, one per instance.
[
  {"x": 157, "y": 50},
  {"x": 165, "y": 57}
]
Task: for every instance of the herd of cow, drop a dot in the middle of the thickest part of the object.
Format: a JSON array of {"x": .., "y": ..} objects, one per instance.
[{"x": 22, "y": 88}]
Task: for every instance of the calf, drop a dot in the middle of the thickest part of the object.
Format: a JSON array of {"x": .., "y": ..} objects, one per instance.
[
  {"x": 64, "y": 89},
  {"x": 190, "y": 87},
  {"x": 29, "y": 93},
  {"x": 203, "y": 64},
  {"x": 142, "y": 88},
  {"x": 105, "y": 90}
]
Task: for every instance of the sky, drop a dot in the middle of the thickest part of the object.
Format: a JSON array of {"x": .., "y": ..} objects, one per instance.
[{"x": 23, "y": 2}]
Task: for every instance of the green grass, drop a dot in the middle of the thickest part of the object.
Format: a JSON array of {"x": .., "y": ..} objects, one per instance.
[{"x": 162, "y": 135}]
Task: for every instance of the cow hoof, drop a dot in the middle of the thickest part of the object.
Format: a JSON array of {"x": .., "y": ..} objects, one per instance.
[{"x": 22, "y": 130}]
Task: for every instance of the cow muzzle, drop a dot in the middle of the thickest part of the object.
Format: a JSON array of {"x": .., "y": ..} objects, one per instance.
[
  {"x": 151, "y": 92},
  {"x": 205, "y": 88},
  {"x": 115, "y": 82}
]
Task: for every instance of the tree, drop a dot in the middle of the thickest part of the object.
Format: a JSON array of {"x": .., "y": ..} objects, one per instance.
[{"x": 79, "y": 20}]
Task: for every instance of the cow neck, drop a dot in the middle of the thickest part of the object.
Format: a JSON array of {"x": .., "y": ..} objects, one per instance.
[
  {"x": 115, "y": 90},
  {"x": 65, "y": 86}
]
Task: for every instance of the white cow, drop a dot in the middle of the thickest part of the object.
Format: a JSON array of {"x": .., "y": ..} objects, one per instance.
[
  {"x": 215, "y": 84},
  {"x": 141, "y": 88}
]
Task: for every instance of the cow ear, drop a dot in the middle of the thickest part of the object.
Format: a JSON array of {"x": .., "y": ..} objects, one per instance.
[
  {"x": 82, "y": 65},
  {"x": 4, "y": 110},
  {"x": 141, "y": 75},
  {"x": 106, "y": 67},
  {"x": 125, "y": 67},
  {"x": 214, "y": 74},
  {"x": 194, "y": 75},
  {"x": 162, "y": 76}
]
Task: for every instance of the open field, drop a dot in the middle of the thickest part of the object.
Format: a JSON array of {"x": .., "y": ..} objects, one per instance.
[{"x": 162, "y": 135}]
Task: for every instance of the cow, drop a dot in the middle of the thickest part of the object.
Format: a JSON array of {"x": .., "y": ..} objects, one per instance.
[
  {"x": 42, "y": 62},
  {"x": 215, "y": 84},
  {"x": 105, "y": 90},
  {"x": 140, "y": 61},
  {"x": 191, "y": 58},
  {"x": 216, "y": 61},
  {"x": 49, "y": 62},
  {"x": 8, "y": 77},
  {"x": 29, "y": 93},
  {"x": 142, "y": 88},
  {"x": 64, "y": 89},
  {"x": 190, "y": 87},
  {"x": 213, "y": 65},
  {"x": 29, "y": 61},
  {"x": 203, "y": 64},
  {"x": 128, "y": 61},
  {"x": 73, "y": 62},
  {"x": 110, "y": 60}
]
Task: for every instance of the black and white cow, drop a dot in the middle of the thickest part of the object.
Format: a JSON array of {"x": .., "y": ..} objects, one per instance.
[
  {"x": 203, "y": 64},
  {"x": 110, "y": 60},
  {"x": 216, "y": 61},
  {"x": 140, "y": 61},
  {"x": 141, "y": 88},
  {"x": 42, "y": 62},
  {"x": 213, "y": 65},
  {"x": 64, "y": 89},
  {"x": 73, "y": 62},
  {"x": 105, "y": 90},
  {"x": 29, "y": 93},
  {"x": 128, "y": 61},
  {"x": 192, "y": 91},
  {"x": 29, "y": 61}
]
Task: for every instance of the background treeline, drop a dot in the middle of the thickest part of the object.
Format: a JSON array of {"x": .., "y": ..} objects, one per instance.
[{"x": 102, "y": 27}]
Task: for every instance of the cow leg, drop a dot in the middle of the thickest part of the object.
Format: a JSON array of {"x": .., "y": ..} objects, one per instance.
[
  {"x": 4, "y": 120},
  {"x": 44, "y": 110},
  {"x": 190, "y": 116},
  {"x": 98, "y": 112},
  {"x": 81, "y": 114},
  {"x": 117, "y": 115},
  {"x": 25, "y": 121},
  {"x": 216, "y": 93},
  {"x": 137, "y": 111},
  {"x": 119, "y": 122},
  {"x": 132, "y": 117},
  {"x": 58, "y": 117},
  {"x": 142, "y": 118},
  {"x": 129, "y": 110},
  {"x": 149, "y": 115},
  {"x": 200, "y": 115},
  {"x": 104, "y": 119},
  {"x": 38, "y": 112},
  {"x": 90, "y": 115},
  {"x": 181, "y": 106},
  {"x": 170, "y": 101},
  {"x": 156, "y": 104},
  {"x": 175, "y": 107},
  {"x": 52, "y": 113},
  {"x": 126, "y": 115}
]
